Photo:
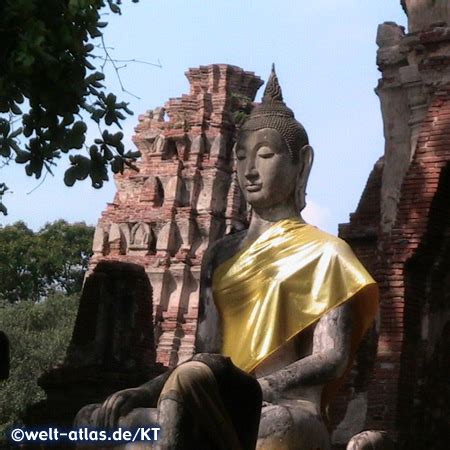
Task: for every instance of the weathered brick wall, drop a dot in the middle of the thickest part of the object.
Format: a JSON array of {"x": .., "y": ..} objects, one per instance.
[
  {"x": 409, "y": 255},
  {"x": 407, "y": 245}
]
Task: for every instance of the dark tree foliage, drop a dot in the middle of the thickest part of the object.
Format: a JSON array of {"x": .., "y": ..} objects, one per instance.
[
  {"x": 32, "y": 265},
  {"x": 49, "y": 74}
]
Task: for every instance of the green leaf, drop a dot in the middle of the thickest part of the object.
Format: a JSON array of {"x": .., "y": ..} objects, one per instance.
[
  {"x": 82, "y": 167},
  {"x": 132, "y": 155},
  {"x": 69, "y": 177},
  {"x": 5, "y": 149},
  {"x": 15, "y": 109},
  {"x": 29, "y": 170},
  {"x": 3, "y": 209},
  {"x": 111, "y": 100},
  {"x": 88, "y": 64},
  {"x": 97, "y": 115},
  {"x": 79, "y": 127},
  {"x": 5, "y": 127},
  {"x": 114, "y": 8},
  {"x": 16, "y": 133},
  {"x": 117, "y": 165},
  {"x": 107, "y": 153},
  {"x": 22, "y": 157}
]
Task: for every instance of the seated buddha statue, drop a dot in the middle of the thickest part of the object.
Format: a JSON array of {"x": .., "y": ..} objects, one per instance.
[{"x": 283, "y": 307}]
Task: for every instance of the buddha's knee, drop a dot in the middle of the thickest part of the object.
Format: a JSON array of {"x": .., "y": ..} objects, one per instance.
[
  {"x": 188, "y": 376},
  {"x": 87, "y": 415},
  {"x": 285, "y": 427}
]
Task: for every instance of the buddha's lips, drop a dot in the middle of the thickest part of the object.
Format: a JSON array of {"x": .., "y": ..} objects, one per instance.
[{"x": 253, "y": 187}]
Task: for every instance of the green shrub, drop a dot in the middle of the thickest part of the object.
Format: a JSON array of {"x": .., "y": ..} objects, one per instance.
[{"x": 39, "y": 334}]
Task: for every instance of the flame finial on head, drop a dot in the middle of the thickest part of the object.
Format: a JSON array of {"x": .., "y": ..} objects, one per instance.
[
  {"x": 272, "y": 93},
  {"x": 273, "y": 113}
]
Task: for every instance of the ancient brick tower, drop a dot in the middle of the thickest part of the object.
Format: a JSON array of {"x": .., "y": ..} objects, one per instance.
[
  {"x": 183, "y": 198},
  {"x": 401, "y": 230}
]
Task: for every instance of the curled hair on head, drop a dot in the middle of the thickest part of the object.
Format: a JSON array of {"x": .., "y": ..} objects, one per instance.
[{"x": 273, "y": 113}]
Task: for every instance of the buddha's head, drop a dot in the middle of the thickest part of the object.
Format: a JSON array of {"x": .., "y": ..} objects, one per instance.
[{"x": 273, "y": 153}]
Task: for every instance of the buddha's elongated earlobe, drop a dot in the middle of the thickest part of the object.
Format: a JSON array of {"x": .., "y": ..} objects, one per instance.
[{"x": 306, "y": 157}]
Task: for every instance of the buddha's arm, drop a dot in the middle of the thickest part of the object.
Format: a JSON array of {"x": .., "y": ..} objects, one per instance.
[
  {"x": 208, "y": 337},
  {"x": 328, "y": 360}
]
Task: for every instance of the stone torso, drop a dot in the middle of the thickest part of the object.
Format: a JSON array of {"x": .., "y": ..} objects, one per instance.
[{"x": 297, "y": 348}]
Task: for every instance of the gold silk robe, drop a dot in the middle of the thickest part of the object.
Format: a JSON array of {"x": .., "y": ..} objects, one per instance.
[{"x": 286, "y": 280}]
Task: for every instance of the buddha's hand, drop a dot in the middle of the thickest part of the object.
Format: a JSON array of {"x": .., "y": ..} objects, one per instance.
[
  {"x": 268, "y": 392},
  {"x": 118, "y": 405}
]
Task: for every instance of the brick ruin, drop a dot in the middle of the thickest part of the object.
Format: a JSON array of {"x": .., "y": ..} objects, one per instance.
[
  {"x": 401, "y": 230},
  {"x": 183, "y": 197}
]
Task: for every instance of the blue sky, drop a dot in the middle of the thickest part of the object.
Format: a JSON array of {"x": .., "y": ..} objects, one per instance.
[{"x": 324, "y": 52}]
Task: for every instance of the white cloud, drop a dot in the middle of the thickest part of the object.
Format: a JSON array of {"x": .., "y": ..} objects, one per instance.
[{"x": 319, "y": 216}]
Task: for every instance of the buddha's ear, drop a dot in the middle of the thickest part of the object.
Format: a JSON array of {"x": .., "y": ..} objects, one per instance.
[{"x": 306, "y": 157}]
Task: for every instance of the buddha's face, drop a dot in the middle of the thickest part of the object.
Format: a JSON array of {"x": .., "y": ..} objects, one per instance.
[{"x": 266, "y": 173}]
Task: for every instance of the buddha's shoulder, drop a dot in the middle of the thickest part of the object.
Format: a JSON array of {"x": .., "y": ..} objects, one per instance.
[
  {"x": 224, "y": 247},
  {"x": 326, "y": 241}
]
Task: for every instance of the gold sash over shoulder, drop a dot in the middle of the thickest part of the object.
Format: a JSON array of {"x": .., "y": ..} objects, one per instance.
[{"x": 283, "y": 282}]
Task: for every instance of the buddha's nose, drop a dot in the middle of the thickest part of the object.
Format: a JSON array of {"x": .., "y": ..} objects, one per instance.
[
  {"x": 250, "y": 170},
  {"x": 251, "y": 175}
]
